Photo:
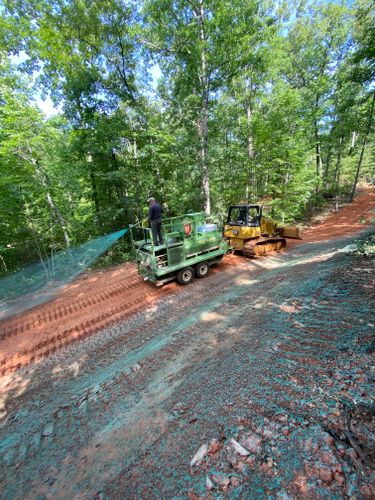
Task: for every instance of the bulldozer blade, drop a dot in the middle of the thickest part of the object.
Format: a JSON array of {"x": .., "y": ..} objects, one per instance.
[{"x": 290, "y": 232}]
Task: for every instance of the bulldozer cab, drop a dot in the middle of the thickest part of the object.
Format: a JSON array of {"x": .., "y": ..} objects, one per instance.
[{"x": 244, "y": 215}]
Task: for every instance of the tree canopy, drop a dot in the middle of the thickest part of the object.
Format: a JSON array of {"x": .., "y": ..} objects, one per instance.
[{"x": 257, "y": 101}]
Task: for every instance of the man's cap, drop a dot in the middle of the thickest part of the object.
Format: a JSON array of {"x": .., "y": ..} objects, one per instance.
[{"x": 150, "y": 199}]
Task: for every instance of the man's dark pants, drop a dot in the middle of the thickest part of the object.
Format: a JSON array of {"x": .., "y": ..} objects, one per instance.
[{"x": 156, "y": 231}]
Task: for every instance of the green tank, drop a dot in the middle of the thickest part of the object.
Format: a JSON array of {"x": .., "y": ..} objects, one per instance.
[{"x": 192, "y": 244}]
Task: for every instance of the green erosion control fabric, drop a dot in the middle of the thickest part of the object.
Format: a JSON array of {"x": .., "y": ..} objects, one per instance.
[{"x": 39, "y": 282}]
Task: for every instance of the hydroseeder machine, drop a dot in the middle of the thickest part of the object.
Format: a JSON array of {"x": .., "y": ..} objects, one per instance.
[
  {"x": 194, "y": 242},
  {"x": 191, "y": 246}
]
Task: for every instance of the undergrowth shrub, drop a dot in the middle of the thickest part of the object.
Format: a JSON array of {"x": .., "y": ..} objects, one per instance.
[{"x": 366, "y": 247}]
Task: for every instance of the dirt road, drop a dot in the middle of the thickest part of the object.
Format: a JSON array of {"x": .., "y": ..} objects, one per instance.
[
  {"x": 264, "y": 366},
  {"x": 103, "y": 298}
]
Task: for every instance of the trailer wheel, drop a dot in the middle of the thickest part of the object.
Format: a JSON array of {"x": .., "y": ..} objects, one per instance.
[
  {"x": 201, "y": 269},
  {"x": 185, "y": 276}
]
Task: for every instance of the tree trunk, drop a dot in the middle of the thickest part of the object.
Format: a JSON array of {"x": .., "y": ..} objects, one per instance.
[
  {"x": 327, "y": 167},
  {"x": 353, "y": 142},
  {"x": 203, "y": 118},
  {"x": 159, "y": 177},
  {"x": 266, "y": 182},
  {"x": 38, "y": 248},
  {"x": 94, "y": 195},
  {"x": 337, "y": 175},
  {"x": 3, "y": 262},
  {"x": 138, "y": 188},
  {"x": 368, "y": 129},
  {"x": 251, "y": 187},
  {"x": 318, "y": 156},
  {"x": 43, "y": 177},
  {"x": 164, "y": 200},
  {"x": 115, "y": 164}
]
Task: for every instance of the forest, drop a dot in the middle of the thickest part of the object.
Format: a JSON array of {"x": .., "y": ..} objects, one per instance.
[{"x": 199, "y": 103}]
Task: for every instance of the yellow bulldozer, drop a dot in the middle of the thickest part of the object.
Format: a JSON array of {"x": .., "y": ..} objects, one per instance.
[{"x": 248, "y": 231}]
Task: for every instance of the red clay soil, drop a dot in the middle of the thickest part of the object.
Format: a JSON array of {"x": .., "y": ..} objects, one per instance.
[
  {"x": 348, "y": 220},
  {"x": 101, "y": 298}
]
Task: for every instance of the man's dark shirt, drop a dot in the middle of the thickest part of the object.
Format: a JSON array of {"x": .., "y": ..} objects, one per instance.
[{"x": 154, "y": 212}]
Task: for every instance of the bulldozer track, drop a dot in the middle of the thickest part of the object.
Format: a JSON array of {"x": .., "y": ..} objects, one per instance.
[
  {"x": 56, "y": 341},
  {"x": 263, "y": 246},
  {"x": 298, "y": 361},
  {"x": 65, "y": 336},
  {"x": 59, "y": 311},
  {"x": 86, "y": 306},
  {"x": 99, "y": 398},
  {"x": 284, "y": 373}
]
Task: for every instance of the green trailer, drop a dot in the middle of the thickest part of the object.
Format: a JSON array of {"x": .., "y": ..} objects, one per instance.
[{"x": 192, "y": 244}]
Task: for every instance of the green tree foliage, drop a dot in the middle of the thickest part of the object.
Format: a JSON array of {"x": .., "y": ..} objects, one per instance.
[
  {"x": 32, "y": 199},
  {"x": 363, "y": 71},
  {"x": 257, "y": 101}
]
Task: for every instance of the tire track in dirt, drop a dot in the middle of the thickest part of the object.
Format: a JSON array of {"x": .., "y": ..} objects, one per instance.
[
  {"x": 53, "y": 342},
  {"x": 100, "y": 397},
  {"x": 88, "y": 315},
  {"x": 39, "y": 335},
  {"x": 303, "y": 351},
  {"x": 71, "y": 421},
  {"x": 60, "y": 311},
  {"x": 266, "y": 382},
  {"x": 88, "y": 305}
]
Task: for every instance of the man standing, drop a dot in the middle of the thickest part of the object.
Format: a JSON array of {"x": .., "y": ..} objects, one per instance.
[{"x": 154, "y": 217}]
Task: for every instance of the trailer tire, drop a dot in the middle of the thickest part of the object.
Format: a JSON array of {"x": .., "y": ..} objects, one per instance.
[
  {"x": 201, "y": 269},
  {"x": 185, "y": 276}
]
